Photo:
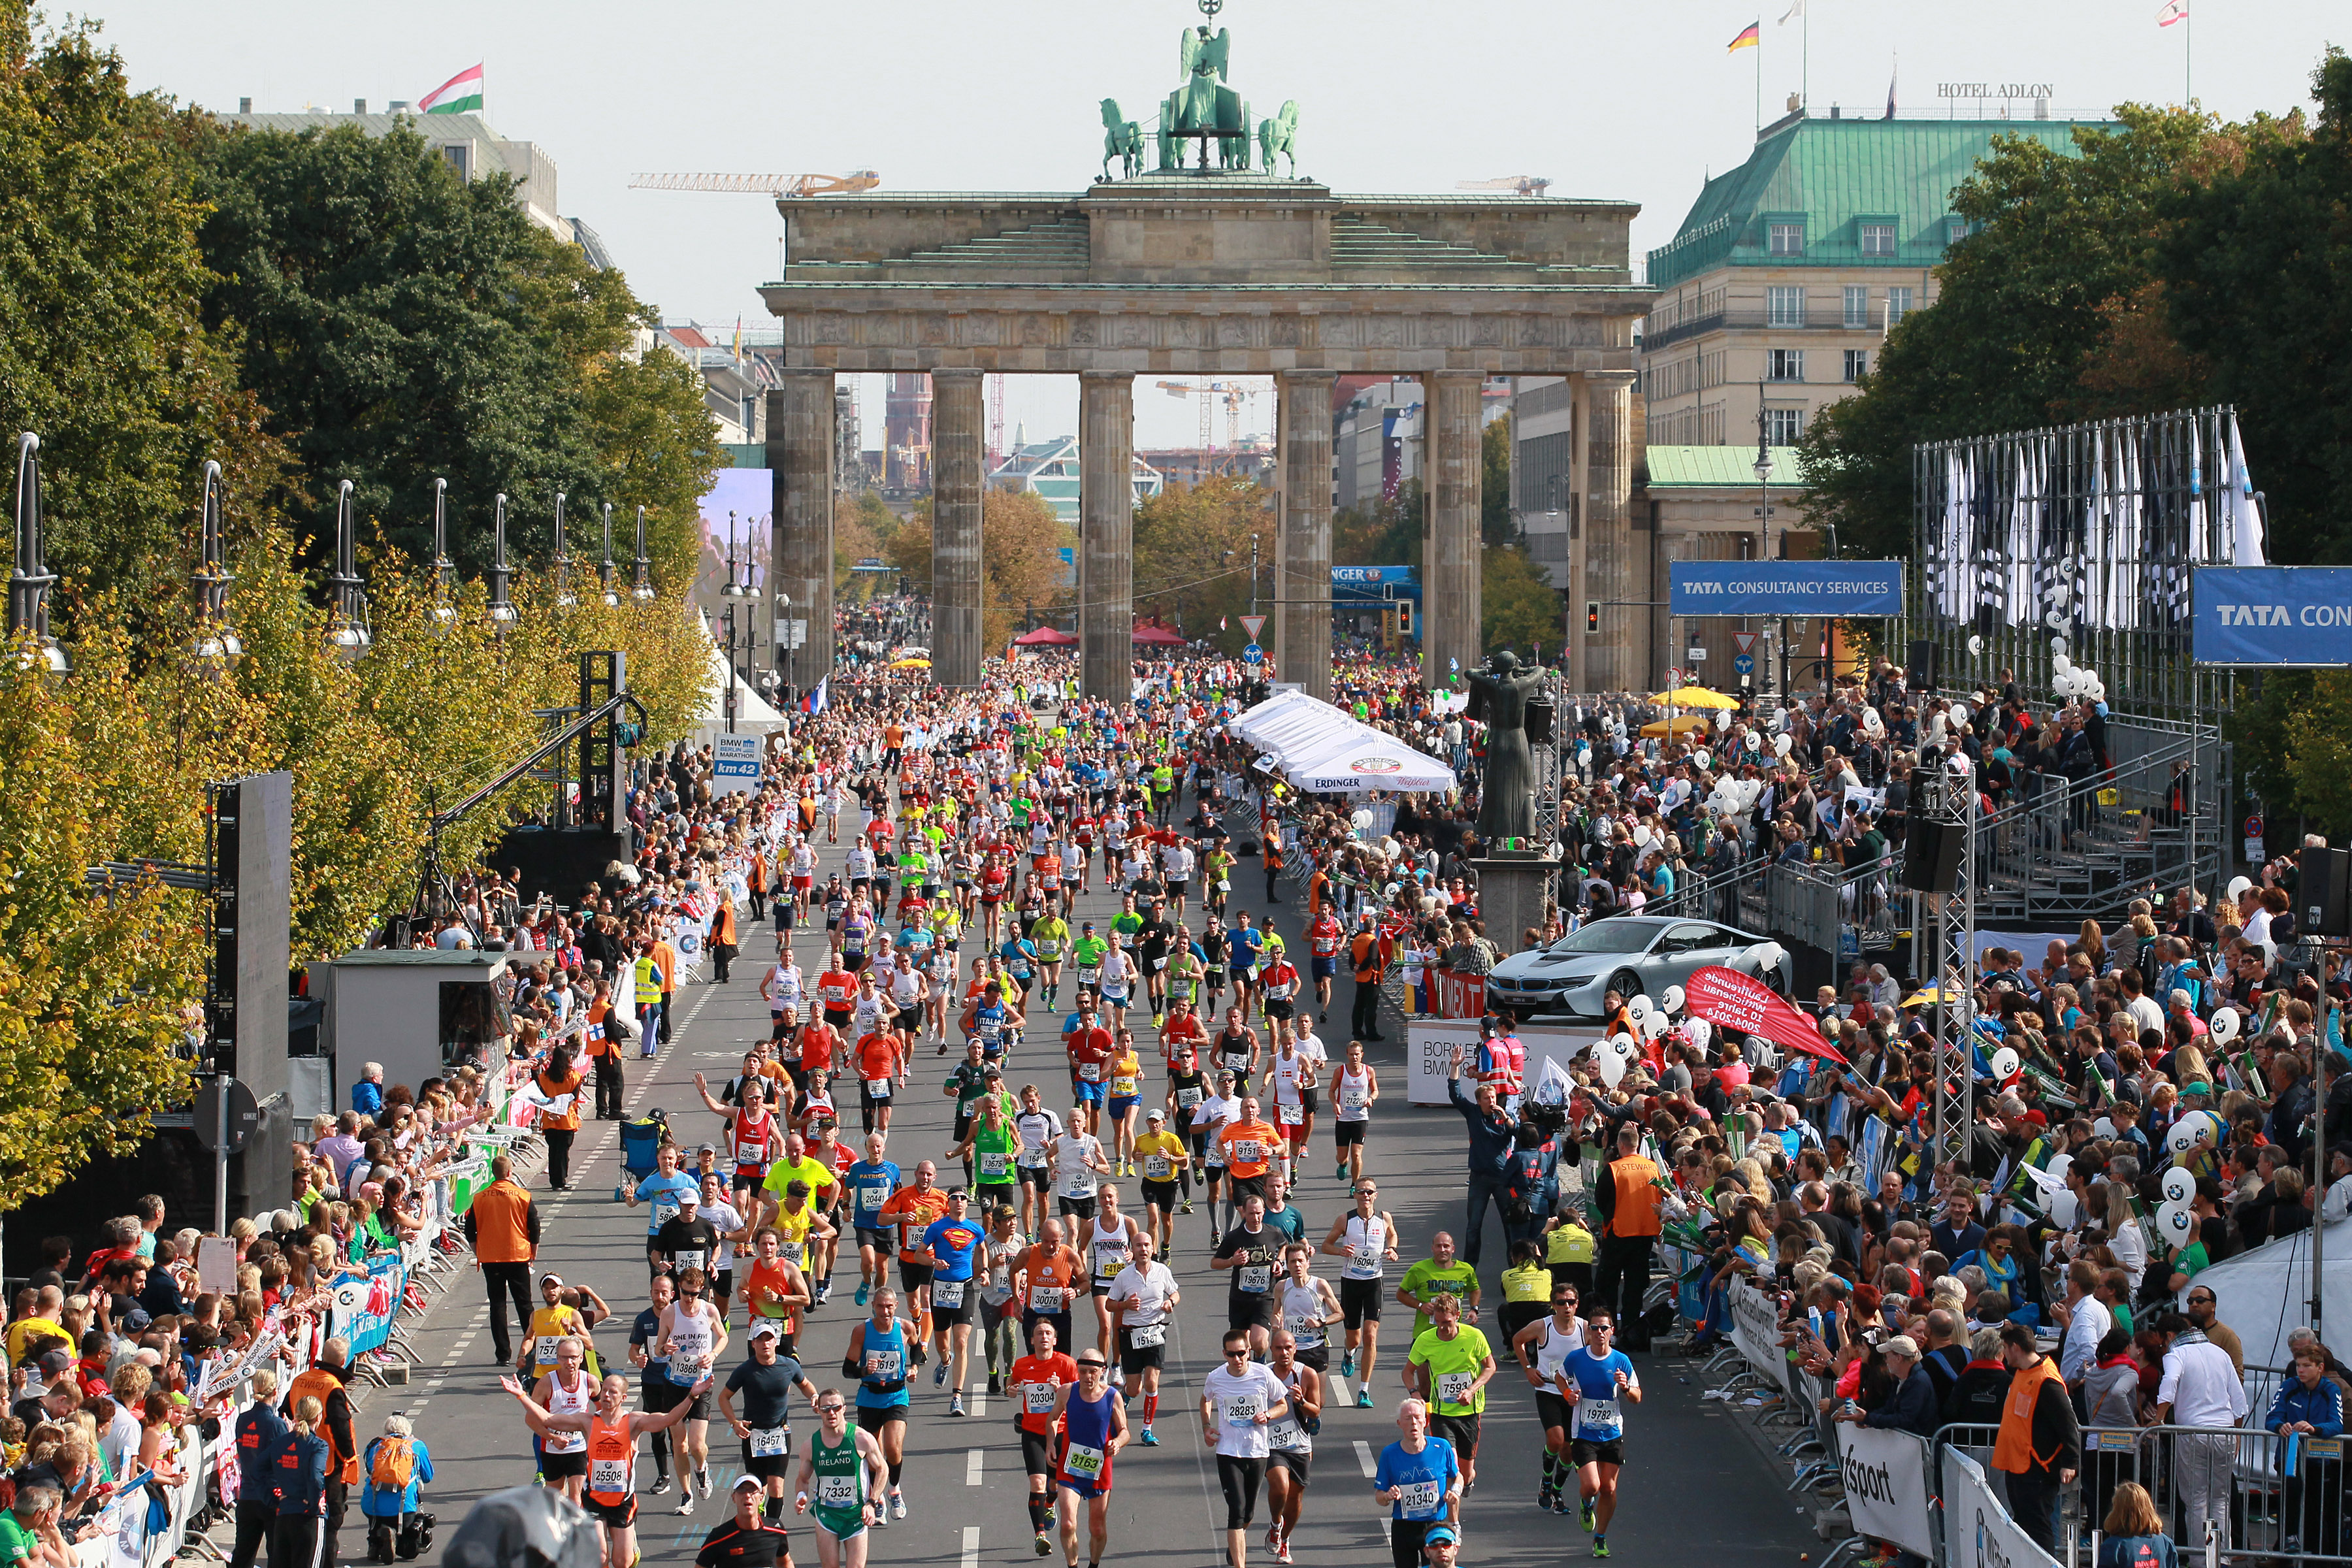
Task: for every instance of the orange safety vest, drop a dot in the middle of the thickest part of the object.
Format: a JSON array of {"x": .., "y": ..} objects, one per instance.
[
  {"x": 600, "y": 1043},
  {"x": 555, "y": 1088},
  {"x": 2013, "y": 1449},
  {"x": 320, "y": 1383},
  {"x": 1635, "y": 1212},
  {"x": 723, "y": 933}
]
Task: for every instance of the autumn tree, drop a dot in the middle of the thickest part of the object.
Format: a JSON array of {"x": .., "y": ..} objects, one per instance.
[{"x": 1193, "y": 557}]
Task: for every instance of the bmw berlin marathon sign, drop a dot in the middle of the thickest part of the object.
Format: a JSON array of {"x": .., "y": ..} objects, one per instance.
[
  {"x": 2274, "y": 616},
  {"x": 1785, "y": 588}
]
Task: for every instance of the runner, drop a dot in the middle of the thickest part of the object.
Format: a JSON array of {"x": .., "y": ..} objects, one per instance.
[
  {"x": 568, "y": 1390},
  {"x": 1093, "y": 1429},
  {"x": 1234, "y": 1052},
  {"x": 747, "y": 1539},
  {"x": 655, "y": 1390},
  {"x": 991, "y": 1147},
  {"x": 1290, "y": 1441},
  {"x": 1141, "y": 1300},
  {"x": 1542, "y": 1348},
  {"x": 1294, "y": 1074},
  {"x": 751, "y": 1131},
  {"x": 1449, "y": 1368},
  {"x": 1248, "y": 1253},
  {"x": 1159, "y": 1155},
  {"x": 911, "y": 1209},
  {"x": 777, "y": 1290},
  {"x": 884, "y": 1065},
  {"x": 1307, "y": 1309},
  {"x": 871, "y": 1181},
  {"x": 1049, "y": 1277},
  {"x": 1038, "y": 1126},
  {"x": 1050, "y": 936},
  {"x": 734, "y": 1240},
  {"x": 1036, "y": 1384},
  {"x": 1125, "y": 1091},
  {"x": 662, "y": 1190},
  {"x": 967, "y": 1085},
  {"x": 1437, "y": 1275},
  {"x": 845, "y": 1467},
  {"x": 1250, "y": 1144},
  {"x": 1603, "y": 1379},
  {"x": 1091, "y": 1048},
  {"x": 1239, "y": 1401},
  {"x": 801, "y": 1234},
  {"x": 1323, "y": 940},
  {"x": 1000, "y": 1308},
  {"x": 950, "y": 1247},
  {"x": 1105, "y": 1241},
  {"x": 880, "y": 1355},
  {"x": 1354, "y": 1091},
  {"x": 610, "y": 1441},
  {"x": 1421, "y": 1478},
  {"x": 766, "y": 1382},
  {"x": 693, "y": 1337}
]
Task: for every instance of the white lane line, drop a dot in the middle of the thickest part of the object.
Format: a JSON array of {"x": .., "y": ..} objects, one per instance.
[
  {"x": 971, "y": 1466},
  {"x": 979, "y": 1405},
  {"x": 1364, "y": 1458},
  {"x": 971, "y": 1546}
]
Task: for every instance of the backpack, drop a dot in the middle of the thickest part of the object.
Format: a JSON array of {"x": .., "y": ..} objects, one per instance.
[{"x": 393, "y": 1464}]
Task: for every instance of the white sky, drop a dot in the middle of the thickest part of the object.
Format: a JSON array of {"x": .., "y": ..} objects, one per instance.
[{"x": 1606, "y": 99}]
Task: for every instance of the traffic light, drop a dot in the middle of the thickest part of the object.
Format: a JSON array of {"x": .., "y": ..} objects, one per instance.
[
  {"x": 1593, "y": 614},
  {"x": 1404, "y": 617}
]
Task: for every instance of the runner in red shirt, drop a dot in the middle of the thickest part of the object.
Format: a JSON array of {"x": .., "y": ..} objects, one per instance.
[
  {"x": 1323, "y": 940},
  {"x": 881, "y": 1071},
  {"x": 834, "y": 989},
  {"x": 820, "y": 1047},
  {"x": 1038, "y": 1383},
  {"x": 1181, "y": 1029},
  {"x": 1091, "y": 1049}
]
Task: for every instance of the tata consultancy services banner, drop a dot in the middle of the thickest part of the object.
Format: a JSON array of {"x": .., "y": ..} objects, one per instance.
[
  {"x": 2272, "y": 615},
  {"x": 1786, "y": 587}
]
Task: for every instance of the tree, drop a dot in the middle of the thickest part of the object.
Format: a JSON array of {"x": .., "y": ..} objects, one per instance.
[
  {"x": 1383, "y": 532},
  {"x": 909, "y": 551},
  {"x": 1518, "y": 608},
  {"x": 1193, "y": 556},
  {"x": 1020, "y": 560},
  {"x": 1495, "y": 524}
]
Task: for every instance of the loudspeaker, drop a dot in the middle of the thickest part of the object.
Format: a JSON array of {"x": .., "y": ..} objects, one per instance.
[
  {"x": 2321, "y": 907},
  {"x": 1921, "y": 670},
  {"x": 1541, "y": 712},
  {"x": 1931, "y": 855}
]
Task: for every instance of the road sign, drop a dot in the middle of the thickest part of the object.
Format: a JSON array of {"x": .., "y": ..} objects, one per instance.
[
  {"x": 1744, "y": 665},
  {"x": 1697, "y": 654},
  {"x": 1252, "y": 624},
  {"x": 792, "y": 632},
  {"x": 735, "y": 765},
  {"x": 1253, "y": 654},
  {"x": 244, "y": 1116},
  {"x": 1744, "y": 641}
]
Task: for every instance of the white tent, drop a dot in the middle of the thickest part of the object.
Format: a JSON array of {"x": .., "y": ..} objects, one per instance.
[
  {"x": 753, "y": 716},
  {"x": 2266, "y": 1291},
  {"x": 1322, "y": 748}
]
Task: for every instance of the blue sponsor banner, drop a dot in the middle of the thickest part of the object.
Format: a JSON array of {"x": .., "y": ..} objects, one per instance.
[
  {"x": 2271, "y": 615},
  {"x": 1375, "y": 581},
  {"x": 1785, "y": 588}
]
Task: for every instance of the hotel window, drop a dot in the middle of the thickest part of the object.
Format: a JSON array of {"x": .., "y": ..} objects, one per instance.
[
  {"x": 1878, "y": 239},
  {"x": 1899, "y": 305},
  {"x": 1857, "y": 362},
  {"x": 1784, "y": 365},
  {"x": 1783, "y": 426},
  {"x": 1857, "y": 305},
  {"x": 1785, "y": 238},
  {"x": 1784, "y": 307}
]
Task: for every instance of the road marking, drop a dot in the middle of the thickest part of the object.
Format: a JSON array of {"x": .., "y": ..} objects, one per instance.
[
  {"x": 979, "y": 1405},
  {"x": 971, "y": 1546},
  {"x": 1364, "y": 1458},
  {"x": 971, "y": 1465}
]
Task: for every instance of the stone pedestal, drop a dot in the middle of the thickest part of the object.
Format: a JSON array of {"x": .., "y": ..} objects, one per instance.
[
  {"x": 1451, "y": 577},
  {"x": 1107, "y": 535},
  {"x": 1512, "y": 894},
  {"x": 958, "y": 473},
  {"x": 1302, "y": 593},
  {"x": 800, "y": 459}
]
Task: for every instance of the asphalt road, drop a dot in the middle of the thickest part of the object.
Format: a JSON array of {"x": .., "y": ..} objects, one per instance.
[{"x": 1697, "y": 1486}]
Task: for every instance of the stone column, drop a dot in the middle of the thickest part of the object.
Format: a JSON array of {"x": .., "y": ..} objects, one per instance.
[
  {"x": 1450, "y": 587},
  {"x": 1302, "y": 589},
  {"x": 957, "y": 464},
  {"x": 800, "y": 460},
  {"x": 1613, "y": 565},
  {"x": 1107, "y": 533}
]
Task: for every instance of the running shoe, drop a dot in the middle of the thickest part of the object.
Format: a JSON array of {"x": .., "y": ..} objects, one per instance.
[
  {"x": 1545, "y": 1498},
  {"x": 686, "y": 1503},
  {"x": 939, "y": 1373},
  {"x": 1274, "y": 1540},
  {"x": 824, "y": 1288},
  {"x": 862, "y": 1288},
  {"x": 1363, "y": 1398},
  {"x": 1339, "y": 1172},
  {"x": 1149, "y": 1440},
  {"x": 955, "y": 1404},
  {"x": 1282, "y": 1550},
  {"x": 702, "y": 1479},
  {"x": 661, "y": 1487},
  {"x": 1348, "y": 1364},
  {"x": 995, "y": 1383},
  {"x": 1600, "y": 1546},
  {"x": 1584, "y": 1512},
  {"x": 1186, "y": 1207},
  {"x": 1043, "y": 1545},
  {"x": 898, "y": 1503},
  {"x": 1560, "y": 1503}
]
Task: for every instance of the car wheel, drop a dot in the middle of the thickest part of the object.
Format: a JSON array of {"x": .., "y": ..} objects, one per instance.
[{"x": 1626, "y": 983}]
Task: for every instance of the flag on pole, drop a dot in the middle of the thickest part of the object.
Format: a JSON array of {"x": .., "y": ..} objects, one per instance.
[
  {"x": 461, "y": 94},
  {"x": 817, "y": 699},
  {"x": 1796, "y": 9},
  {"x": 1750, "y": 37},
  {"x": 1891, "y": 73},
  {"x": 1221, "y": 623},
  {"x": 738, "y": 340},
  {"x": 2172, "y": 11}
]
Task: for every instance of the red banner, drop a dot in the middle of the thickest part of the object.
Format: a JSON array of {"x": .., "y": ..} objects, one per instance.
[
  {"x": 1730, "y": 1000},
  {"x": 1460, "y": 996}
]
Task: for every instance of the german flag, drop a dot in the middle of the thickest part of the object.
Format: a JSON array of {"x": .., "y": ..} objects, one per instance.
[{"x": 1750, "y": 37}]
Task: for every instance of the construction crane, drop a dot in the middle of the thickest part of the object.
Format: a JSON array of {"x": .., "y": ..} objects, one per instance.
[
  {"x": 1233, "y": 391},
  {"x": 994, "y": 388},
  {"x": 761, "y": 185},
  {"x": 1518, "y": 184}
]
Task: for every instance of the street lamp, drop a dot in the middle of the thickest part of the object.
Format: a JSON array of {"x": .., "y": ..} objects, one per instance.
[
  {"x": 503, "y": 612},
  {"x": 784, "y": 639},
  {"x": 1763, "y": 469},
  {"x": 348, "y": 634},
  {"x": 28, "y": 584},
  {"x": 611, "y": 575},
  {"x": 213, "y": 644},
  {"x": 731, "y": 593},
  {"x": 565, "y": 598},
  {"x": 444, "y": 571},
  {"x": 642, "y": 590}
]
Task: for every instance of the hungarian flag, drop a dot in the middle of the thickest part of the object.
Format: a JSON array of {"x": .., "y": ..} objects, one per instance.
[
  {"x": 1750, "y": 37},
  {"x": 461, "y": 94},
  {"x": 2171, "y": 12}
]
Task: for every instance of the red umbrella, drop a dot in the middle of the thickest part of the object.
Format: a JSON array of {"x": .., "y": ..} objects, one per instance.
[
  {"x": 1151, "y": 634},
  {"x": 1046, "y": 636},
  {"x": 1736, "y": 1001}
]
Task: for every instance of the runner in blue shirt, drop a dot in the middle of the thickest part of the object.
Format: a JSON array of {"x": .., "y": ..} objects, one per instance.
[
  {"x": 1245, "y": 945},
  {"x": 1420, "y": 1477},
  {"x": 951, "y": 1243},
  {"x": 1604, "y": 1380},
  {"x": 870, "y": 1182},
  {"x": 662, "y": 1188}
]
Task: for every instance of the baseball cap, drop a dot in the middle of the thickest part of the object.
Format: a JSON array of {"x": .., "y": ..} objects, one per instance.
[
  {"x": 749, "y": 1483},
  {"x": 1442, "y": 1533},
  {"x": 690, "y": 1196},
  {"x": 766, "y": 1329},
  {"x": 55, "y": 1362},
  {"x": 1902, "y": 1345},
  {"x": 1155, "y": 1114}
]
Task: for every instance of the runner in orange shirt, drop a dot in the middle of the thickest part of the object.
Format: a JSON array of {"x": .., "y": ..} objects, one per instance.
[
  {"x": 1049, "y": 1277},
  {"x": 1038, "y": 1384},
  {"x": 912, "y": 1209},
  {"x": 881, "y": 1070},
  {"x": 1250, "y": 1146}
]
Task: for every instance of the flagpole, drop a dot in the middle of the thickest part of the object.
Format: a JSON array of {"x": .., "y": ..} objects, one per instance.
[
  {"x": 2187, "y": 57},
  {"x": 1804, "y": 68},
  {"x": 1760, "y": 77}
]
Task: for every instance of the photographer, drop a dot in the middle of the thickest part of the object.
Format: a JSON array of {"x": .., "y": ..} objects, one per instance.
[{"x": 1493, "y": 1139}]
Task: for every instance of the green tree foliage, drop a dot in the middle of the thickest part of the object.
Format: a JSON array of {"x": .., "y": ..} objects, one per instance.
[
  {"x": 1495, "y": 525},
  {"x": 1381, "y": 533},
  {"x": 1518, "y": 608},
  {"x": 1193, "y": 557},
  {"x": 401, "y": 323}
]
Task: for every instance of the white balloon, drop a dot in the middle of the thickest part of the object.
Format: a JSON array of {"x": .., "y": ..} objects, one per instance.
[
  {"x": 2004, "y": 1063},
  {"x": 1872, "y": 722},
  {"x": 2179, "y": 1186},
  {"x": 2238, "y": 885},
  {"x": 2059, "y": 592},
  {"x": 1612, "y": 1068},
  {"x": 1702, "y": 759},
  {"x": 1976, "y": 646},
  {"x": 1780, "y": 744},
  {"x": 2102, "y": 1128},
  {"x": 2225, "y": 1024},
  {"x": 1960, "y": 712},
  {"x": 2054, "y": 618},
  {"x": 1673, "y": 999},
  {"x": 1755, "y": 741},
  {"x": 2176, "y": 1223},
  {"x": 1638, "y": 1007},
  {"x": 1620, "y": 1045},
  {"x": 1641, "y": 837},
  {"x": 1722, "y": 720},
  {"x": 2060, "y": 663}
]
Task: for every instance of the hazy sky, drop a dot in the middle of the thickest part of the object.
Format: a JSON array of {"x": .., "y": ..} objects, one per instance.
[{"x": 1614, "y": 101}]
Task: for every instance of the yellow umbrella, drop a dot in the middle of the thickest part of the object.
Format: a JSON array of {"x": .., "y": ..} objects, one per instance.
[
  {"x": 1693, "y": 696},
  {"x": 1923, "y": 997},
  {"x": 911, "y": 664},
  {"x": 1684, "y": 724}
]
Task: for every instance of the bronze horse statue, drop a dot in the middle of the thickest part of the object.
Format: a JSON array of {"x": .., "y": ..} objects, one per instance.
[
  {"x": 1279, "y": 134},
  {"x": 1123, "y": 140}
]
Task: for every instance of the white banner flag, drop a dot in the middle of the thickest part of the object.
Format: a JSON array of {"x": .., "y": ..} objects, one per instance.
[{"x": 1886, "y": 1476}]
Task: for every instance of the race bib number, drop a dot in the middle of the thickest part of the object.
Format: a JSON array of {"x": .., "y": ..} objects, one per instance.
[
  {"x": 1306, "y": 1328},
  {"x": 1285, "y": 1433},
  {"x": 948, "y": 1292},
  {"x": 611, "y": 1475},
  {"x": 769, "y": 1442},
  {"x": 665, "y": 1210},
  {"x": 882, "y": 1366},
  {"x": 1108, "y": 1262},
  {"x": 1089, "y": 1072},
  {"x": 877, "y": 1089},
  {"x": 1242, "y": 1412},
  {"x": 1045, "y": 1299},
  {"x": 795, "y": 1251},
  {"x": 1188, "y": 1099},
  {"x": 836, "y": 1492},
  {"x": 1158, "y": 1168},
  {"x": 1083, "y": 1462},
  {"x": 1122, "y": 1088},
  {"x": 1418, "y": 1497},
  {"x": 1037, "y": 1398},
  {"x": 1088, "y": 974},
  {"x": 1078, "y": 1184},
  {"x": 1290, "y": 1115},
  {"x": 1143, "y": 1336},
  {"x": 1248, "y": 1151},
  {"x": 1253, "y": 1277},
  {"x": 1353, "y": 1097},
  {"x": 689, "y": 1258},
  {"x": 1453, "y": 1388},
  {"x": 1597, "y": 1415},
  {"x": 994, "y": 1165}
]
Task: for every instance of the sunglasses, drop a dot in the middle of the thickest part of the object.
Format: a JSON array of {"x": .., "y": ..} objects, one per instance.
[
  {"x": 830, "y": 1409},
  {"x": 1242, "y": 1352}
]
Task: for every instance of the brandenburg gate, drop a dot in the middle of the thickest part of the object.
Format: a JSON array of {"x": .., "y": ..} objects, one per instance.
[{"x": 1217, "y": 271}]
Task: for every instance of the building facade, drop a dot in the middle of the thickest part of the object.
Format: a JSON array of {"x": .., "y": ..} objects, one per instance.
[{"x": 1050, "y": 469}]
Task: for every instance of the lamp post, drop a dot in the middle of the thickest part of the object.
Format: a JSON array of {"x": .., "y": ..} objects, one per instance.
[
  {"x": 611, "y": 575},
  {"x": 444, "y": 571},
  {"x": 784, "y": 639},
  {"x": 565, "y": 598},
  {"x": 213, "y": 644},
  {"x": 502, "y": 611},
  {"x": 731, "y": 593},
  {"x": 29, "y": 581},
  {"x": 347, "y": 634},
  {"x": 642, "y": 590},
  {"x": 1763, "y": 468}
]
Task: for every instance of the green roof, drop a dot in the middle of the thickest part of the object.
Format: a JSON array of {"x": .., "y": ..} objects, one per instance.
[
  {"x": 1716, "y": 467},
  {"x": 1833, "y": 175}
]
